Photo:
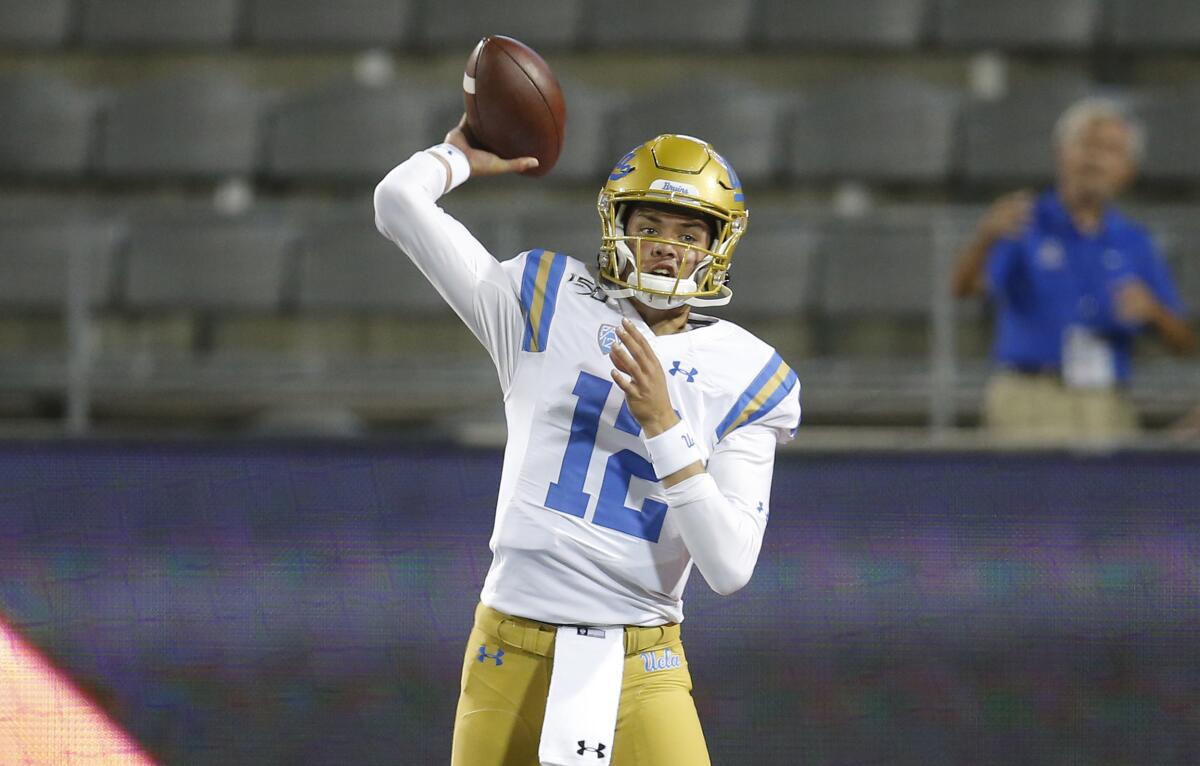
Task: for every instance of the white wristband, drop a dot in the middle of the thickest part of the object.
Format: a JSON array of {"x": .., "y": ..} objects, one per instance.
[
  {"x": 673, "y": 449},
  {"x": 460, "y": 168}
]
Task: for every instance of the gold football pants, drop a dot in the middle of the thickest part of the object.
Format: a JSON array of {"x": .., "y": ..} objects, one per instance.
[{"x": 506, "y": 677}]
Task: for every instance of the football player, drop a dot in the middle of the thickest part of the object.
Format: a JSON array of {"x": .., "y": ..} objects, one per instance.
[{"x": 641, "y": 441}]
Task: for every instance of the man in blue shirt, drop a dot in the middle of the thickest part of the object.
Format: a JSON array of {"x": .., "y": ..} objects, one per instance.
[{"x": 1074, "y": 282}]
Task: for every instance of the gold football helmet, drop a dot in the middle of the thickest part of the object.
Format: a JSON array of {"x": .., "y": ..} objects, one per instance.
[{"x": 680, "y": 171}]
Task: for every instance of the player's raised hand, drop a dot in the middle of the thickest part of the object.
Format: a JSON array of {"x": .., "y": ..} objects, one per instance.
[
  {"x": 483, "y": 162},
  {"x": 640, "y": 375}
]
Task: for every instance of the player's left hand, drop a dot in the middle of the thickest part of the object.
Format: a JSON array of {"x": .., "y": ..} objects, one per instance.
[{"x": 640, "y": 375}]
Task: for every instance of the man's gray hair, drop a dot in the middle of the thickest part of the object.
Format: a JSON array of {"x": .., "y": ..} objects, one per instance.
[{"x": 1088, "y": 110}]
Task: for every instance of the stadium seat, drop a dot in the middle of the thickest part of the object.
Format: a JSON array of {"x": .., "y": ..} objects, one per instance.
[
  {"x": 158, "y": 23},
  {"x": 746, "y": 130},
  {"x": 194, "y": 127},
  {"x": 538, "y": 23},
  {"x": 570, "y": 227},
  {"x": 774, "y": 267},
  {"x": 34, "y": 23},
  {"x": 588, "y": 155},
  {"x": 874, "y": 292},
  {"x": 1171, "y": 119},
  {"x": 205, "y": 263},
  {"x": 353, "y": 133},
  {"x": 665, "y": 24},
  {"x": 1175, "y": 231},
  {"x": 1011, "y": 140},
  {"x": 1153, "y": 24},
  {"x": 346, "y": 265},
  {"x": 48, "y": 126},
  {"x": 886, "y": 129},
  {"x": 349, "y": 23},
  {"x": 1186, "y": 273},
  {"x": 35, "y": 261},
  {"x": 1018, "y": 24},
  {"x": 820, "y": 24},
  {"x": 876, "y": 267}
]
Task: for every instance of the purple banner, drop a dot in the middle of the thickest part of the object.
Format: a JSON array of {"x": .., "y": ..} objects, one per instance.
[{"x": 309, "y": 603}]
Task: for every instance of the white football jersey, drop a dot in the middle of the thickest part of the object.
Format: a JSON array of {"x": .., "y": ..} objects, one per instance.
[{"x": 583, "y": 532}]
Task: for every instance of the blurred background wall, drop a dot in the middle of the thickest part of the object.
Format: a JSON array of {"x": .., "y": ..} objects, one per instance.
[{"x": 266, "y": 602}]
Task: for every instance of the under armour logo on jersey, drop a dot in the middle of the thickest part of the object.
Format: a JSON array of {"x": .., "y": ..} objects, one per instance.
[
  {"x": 484, "y": 656},
  {"x": 760, "y": 507},
  {"x": 583, "y": 748},
  {"x": 677, "y": 370}
]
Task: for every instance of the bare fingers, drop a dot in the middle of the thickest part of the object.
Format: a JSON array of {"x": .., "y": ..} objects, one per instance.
[{"x": 633, "y": 356}]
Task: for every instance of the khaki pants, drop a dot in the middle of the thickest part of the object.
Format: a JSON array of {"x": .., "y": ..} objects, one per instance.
[
  {"x": 1040, "y": 409},
  {"x": 502, "y": 704}
]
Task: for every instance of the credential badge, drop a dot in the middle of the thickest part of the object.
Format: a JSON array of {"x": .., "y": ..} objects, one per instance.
[{"x": 1050, "y": 254}]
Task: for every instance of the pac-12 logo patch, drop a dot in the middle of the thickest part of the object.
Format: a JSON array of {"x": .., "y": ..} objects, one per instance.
[{"x": 606, "y": 337}]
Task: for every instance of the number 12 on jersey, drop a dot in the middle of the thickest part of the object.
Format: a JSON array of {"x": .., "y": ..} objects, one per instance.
[{"x": 567, "y": 495}]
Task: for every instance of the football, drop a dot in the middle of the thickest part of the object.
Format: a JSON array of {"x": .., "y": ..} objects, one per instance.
[{"x": 514, "y": 103}]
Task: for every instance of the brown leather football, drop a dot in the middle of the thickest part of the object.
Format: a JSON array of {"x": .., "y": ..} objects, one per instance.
[{"x": 514, "y": 103}]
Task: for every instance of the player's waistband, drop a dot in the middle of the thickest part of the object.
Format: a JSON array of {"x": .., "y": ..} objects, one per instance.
[{"x": 538, "y": 637}]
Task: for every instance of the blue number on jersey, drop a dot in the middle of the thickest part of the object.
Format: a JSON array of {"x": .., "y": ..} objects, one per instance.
[{"x": 567, "y": 495}]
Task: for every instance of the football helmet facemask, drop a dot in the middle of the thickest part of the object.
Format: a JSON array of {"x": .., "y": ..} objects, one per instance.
[{"x": 676, "y": 171}]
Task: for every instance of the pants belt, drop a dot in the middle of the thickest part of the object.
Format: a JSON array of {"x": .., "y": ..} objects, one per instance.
[{"x": 538, "y": 637}]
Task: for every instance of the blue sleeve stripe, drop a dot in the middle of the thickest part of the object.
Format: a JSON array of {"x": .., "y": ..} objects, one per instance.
[
  {"x": 780, "y": 393},
  {"x": 539, "y": 295},
  {"x": 532, "y": 262},
  {"x": 770, "y": 387}
]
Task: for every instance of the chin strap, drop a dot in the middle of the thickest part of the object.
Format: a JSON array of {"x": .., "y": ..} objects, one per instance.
[{"x": 663, "y": 302}]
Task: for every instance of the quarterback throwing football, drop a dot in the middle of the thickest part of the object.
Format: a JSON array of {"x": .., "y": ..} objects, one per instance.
[{"x": 641, "y": 440}]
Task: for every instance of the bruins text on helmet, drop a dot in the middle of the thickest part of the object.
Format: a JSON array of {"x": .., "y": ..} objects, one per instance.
[{"x": 678, "y": 171}]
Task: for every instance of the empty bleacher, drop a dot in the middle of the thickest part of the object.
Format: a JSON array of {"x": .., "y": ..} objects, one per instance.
[
  {"x": 157, "y": 23},
  {"x": 190, "y": 182}
]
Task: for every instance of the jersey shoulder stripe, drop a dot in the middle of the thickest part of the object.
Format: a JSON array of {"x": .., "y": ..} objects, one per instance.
[
  {"x": 772, "y": 384},
  {"x": 539, "y": 295}
]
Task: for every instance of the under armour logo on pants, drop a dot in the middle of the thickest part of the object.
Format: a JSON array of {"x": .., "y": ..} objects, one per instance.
[{"x": 484, "y": 656}]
